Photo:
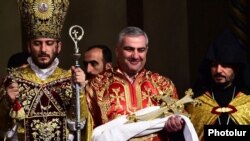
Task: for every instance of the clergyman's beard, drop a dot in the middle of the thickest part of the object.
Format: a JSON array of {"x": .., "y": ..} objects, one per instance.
[
  {"x": 223, "y": 85},
  {"x": 228, "y": 81},
  {"x": 89, "y": 76},
  {"x": 45, "y": 65}
]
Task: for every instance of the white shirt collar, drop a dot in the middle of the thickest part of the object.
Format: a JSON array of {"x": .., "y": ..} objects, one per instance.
[{"x": 43, "y": 73}]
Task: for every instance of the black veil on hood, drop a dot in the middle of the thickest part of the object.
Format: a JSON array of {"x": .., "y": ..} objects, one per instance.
[{"x": 227, "y": 49}]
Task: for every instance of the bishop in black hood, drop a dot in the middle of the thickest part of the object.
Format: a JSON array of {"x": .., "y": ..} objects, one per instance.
[{"x": 226, "y": 49}]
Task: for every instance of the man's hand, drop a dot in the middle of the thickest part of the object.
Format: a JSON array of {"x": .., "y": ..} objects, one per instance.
[
  {"x": 78, "y": 76},
  {"x": 13, "y": 91},
  {"x": 174, "y": 123}
]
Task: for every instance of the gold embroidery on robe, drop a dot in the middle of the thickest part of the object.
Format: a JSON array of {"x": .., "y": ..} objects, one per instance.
[
  {"x": 111, "y": 95},
  {"x": 241, "y": 116},
  {"x": 47, "y": 105}
]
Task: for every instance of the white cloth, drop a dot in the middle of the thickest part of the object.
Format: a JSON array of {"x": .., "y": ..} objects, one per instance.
[
  {"x": 119, "y": 130},
  {"x": 71, "y": 137},
  {"x": 43, "y": 73},
  {"x": 11, "y": 134},
  {"x": 72, "y": 124}
]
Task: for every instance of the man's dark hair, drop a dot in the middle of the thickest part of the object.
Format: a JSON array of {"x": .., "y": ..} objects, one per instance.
[
  {"x": 107, "y": 54},
  {"x": 18, "y": 59}
]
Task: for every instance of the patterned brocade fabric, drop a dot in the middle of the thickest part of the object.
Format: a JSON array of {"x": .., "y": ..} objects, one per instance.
[
  {"x": 47, "y": 105},
  {"x": 241, "y": 114},
  {"x": 116, "y": 96},
  {"x": 44, "y": 103}
]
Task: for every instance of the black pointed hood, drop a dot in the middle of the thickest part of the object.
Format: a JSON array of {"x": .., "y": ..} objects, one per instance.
[{"x": 226, "y": 49}]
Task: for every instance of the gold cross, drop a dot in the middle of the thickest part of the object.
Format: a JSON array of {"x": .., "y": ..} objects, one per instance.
[
  {"x": 170, "y": 106},
  {"x": 147, "y": 95},
  {"x": 116, "y": 97}
]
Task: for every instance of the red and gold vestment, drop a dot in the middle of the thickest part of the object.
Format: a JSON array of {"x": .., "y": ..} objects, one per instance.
[
  {"x": 111, "y": 94},
  {"x": 47, "y": 104}
]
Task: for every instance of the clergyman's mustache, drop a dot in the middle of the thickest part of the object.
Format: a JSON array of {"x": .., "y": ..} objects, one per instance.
[
  {"x": 219, "y": 75},
  {"x": 43, "y": 55}
]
